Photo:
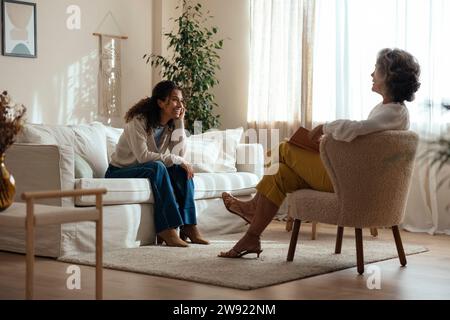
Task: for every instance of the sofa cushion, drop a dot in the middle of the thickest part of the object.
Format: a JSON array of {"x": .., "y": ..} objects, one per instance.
[
  {"x": 202, "y": 153},
  {"x": 82, "y": 168},
  {"x": 120, "y": 191},
  {"x": 46, "y": 135},
  {"x": 90, "y": 143},
  {"x": 87, "y": 140},
  {"x": 227, "y": 142},
  {"x": 112, "y": 138},
  {"x": 212, "y": 185},
  {"x": 127, "y": 191}
]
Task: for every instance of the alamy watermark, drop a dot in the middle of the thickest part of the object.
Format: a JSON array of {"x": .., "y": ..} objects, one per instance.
[
  {"x": 374, "y": 280},
  {"x": 73, "y": 281},
  {"x": 73, "y": 22}
]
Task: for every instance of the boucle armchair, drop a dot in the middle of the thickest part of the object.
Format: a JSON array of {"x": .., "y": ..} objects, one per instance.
[{"x": 371, "y": 177}]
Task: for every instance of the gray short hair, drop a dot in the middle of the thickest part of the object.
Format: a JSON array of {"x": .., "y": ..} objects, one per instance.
[{"x": 402, "y": 73}]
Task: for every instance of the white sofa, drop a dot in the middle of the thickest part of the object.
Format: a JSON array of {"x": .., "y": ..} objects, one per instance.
[{"x": 44, "y": 159}]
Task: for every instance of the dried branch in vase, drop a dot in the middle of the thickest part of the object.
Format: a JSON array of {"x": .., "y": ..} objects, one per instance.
[{"x": 11, "y": 121}]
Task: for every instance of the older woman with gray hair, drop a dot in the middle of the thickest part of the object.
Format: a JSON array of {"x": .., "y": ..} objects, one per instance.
[{"x": 396, "y": 79}]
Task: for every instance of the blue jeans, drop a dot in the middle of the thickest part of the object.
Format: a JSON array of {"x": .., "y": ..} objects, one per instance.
[{"x": 173, "y": 192}]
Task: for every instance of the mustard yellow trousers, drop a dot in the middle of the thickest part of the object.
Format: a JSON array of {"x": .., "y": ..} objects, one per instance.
[{"x": 298, "y": 169}]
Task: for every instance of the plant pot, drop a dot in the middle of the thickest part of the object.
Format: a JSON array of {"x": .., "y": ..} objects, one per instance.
[{"x": 7, "y": 186}]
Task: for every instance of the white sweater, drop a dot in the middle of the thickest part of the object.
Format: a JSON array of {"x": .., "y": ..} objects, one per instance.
[
  {"x": 391, "y": 116},
  {"x": 137, "y": 146}
]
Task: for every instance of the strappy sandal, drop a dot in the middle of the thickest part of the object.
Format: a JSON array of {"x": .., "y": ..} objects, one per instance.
[
  {"x": 234, "y": 253},
  {"x": 226, "y": 196}
]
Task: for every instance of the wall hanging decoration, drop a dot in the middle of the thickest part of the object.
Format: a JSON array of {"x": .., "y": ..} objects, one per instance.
[
  {"x": 110, "y": 72},
  {"x": 19, "y": 29}
]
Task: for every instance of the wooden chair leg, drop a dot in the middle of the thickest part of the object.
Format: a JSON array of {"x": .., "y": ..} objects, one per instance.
[
  {"x": 359, "y": 251},
  {"x": 289, "y": 223},
  {"x": 29, "y": 278},
  {"x": 374, "y": 232},
  {"x": 99, "y": 251},
  {"x": 294, "y": 238},
  {"x": 339, "y": 236},
  {"x": 314, "y": 231},
  {"x": 398, "y": 243},
  {"x": 98, "y": 264}
]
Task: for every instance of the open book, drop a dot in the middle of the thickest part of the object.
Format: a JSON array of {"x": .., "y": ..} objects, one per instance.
[{"x": 301, "y": 139}]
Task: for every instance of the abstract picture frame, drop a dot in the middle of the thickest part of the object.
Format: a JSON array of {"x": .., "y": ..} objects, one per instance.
[{"x": 19, "y": 29}]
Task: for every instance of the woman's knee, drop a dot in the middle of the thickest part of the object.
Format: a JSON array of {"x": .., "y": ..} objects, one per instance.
[
  {"x": 178, "y": 171},
  {"x": 177, "y": 168},
  {"x": 157, "y": 167}
]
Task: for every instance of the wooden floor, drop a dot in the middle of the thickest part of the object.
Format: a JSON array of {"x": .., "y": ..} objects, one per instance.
[{"x": 427, "y": 276}]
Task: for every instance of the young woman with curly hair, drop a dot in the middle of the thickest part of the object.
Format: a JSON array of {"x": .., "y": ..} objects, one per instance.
[{"x": 152, "y": 146}]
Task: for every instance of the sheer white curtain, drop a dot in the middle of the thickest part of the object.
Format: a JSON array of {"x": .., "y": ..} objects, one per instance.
[
  {"x": 348, "y": 36},
  {"x": 280, "y": 64}
]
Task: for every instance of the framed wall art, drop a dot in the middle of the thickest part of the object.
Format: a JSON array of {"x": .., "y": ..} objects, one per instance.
[{"x": 19, "y": 34}]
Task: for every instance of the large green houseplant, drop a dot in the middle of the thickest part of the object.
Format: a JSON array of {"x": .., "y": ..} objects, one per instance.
[{"x": 193, "y": 64}]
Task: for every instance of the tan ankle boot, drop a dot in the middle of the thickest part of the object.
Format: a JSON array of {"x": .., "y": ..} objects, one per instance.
[
  {"x": 190, "y": 231},
  {"x": 171, "y": 238}
]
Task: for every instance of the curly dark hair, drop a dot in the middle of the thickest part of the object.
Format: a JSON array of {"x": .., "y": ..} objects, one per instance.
[
  {"x": 149, "y": 109},
  {"x": 402, "y": 72}
]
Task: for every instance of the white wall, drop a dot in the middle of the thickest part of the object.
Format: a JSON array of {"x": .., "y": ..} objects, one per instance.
[
  {"x": 165, "y": 12},
  {"x": 60, "y": 86},
  {"x": 232, "y": 17}
]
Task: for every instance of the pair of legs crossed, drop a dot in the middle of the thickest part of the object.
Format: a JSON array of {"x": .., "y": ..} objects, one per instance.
[{"x": 297, "y": 169}]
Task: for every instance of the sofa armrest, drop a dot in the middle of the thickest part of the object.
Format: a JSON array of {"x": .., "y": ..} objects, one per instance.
[
  {"x": 37, "y": 167},
  {"x": 250, "y": 158}
]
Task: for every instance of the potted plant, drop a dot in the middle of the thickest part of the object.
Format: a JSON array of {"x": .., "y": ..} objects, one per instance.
[
  {"x": 10, "y": 125},
  {"x": 439, "y": 152},
  {"x": 193, "y": 64}
]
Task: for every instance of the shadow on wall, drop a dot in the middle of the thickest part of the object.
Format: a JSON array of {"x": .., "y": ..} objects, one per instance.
[
  {"x": 75, "y": 91},
  {"x": 78, "y": 91}
]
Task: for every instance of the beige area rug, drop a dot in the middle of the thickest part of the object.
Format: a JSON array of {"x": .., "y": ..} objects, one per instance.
[{"x": 201, "y": 264}]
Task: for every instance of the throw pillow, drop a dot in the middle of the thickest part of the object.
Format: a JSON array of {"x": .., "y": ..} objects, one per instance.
[
  {"x": 227, "y": 142},
  {"x": 88, "y": 140},
  {"x": 202, "y": 153},
  {"x": 90, "y": 143},
  {"x": 48, "y": 135},
  {"x": 82, "y": 168},
  {"x": 112, "y": 138}
]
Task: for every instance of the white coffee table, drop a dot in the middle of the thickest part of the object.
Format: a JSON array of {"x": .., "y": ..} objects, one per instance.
[{"x": 29, "y": 215}]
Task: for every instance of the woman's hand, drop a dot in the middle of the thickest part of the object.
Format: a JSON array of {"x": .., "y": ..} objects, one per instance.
[
  {"x": 183, "y": 111},
  {"x": 189, "y": 170},
  {"x": 316, "y": 134}
]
